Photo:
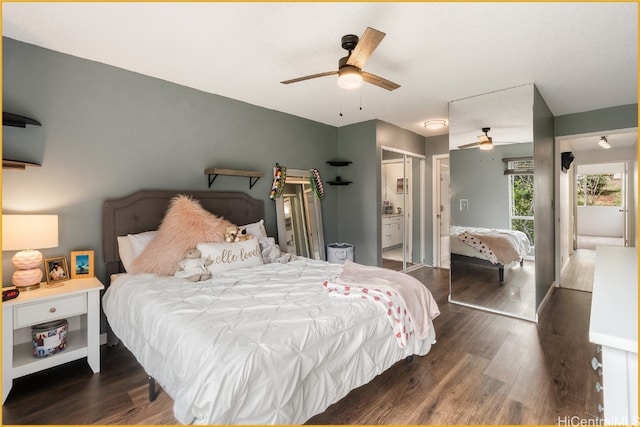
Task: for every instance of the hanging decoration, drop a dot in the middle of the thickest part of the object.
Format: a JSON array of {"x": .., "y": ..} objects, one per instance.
[
  {"x": 279, "y": 177},
  {"x": 316, "y": 183}
]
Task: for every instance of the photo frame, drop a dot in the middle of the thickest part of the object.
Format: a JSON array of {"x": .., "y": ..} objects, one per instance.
[
  {"x": 81, "y": 264},
  {"x": 56, "y": 269}
]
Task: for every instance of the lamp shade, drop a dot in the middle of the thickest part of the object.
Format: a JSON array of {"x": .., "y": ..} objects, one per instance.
[{"x": 21, "y": 232}]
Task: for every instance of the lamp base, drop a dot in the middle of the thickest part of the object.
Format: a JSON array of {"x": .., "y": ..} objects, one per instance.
[
  {"x": 28, "y": 287},
  {"x": 27, "y": 279}
]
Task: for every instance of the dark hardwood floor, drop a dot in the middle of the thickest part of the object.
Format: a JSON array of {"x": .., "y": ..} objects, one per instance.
[{"x": 484, "y": 369}]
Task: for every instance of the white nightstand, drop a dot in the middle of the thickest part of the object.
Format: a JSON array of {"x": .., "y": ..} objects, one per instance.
[{"x": 78, "y": 301}]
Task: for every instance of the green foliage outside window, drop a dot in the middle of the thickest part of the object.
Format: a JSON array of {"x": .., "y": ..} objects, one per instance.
[
  {"x": 599, "y": 190},
  {"x": 522, "y": 205}
]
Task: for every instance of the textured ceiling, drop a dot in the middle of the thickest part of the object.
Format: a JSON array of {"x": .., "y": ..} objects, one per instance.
[{"x": 581, "y": 56}]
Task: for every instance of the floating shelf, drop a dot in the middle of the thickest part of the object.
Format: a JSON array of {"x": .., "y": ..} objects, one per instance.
[
  {"x": 339, "y": 162},
  {"x": 338, "y": 182},
  {"x": 15, "y": 120},
  {"x": 10, "y": 119},
  {"x": 17, "y": 164},
  {"x": 253, "y": 176}
]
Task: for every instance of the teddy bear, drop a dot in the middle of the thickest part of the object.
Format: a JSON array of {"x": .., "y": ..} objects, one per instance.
[
  {"x": 235, "y": 234},
  {"x": 193, "y": 267}
]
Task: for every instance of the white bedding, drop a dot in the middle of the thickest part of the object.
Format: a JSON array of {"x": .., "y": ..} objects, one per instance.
[
  {"x": 260, "y": 345},
  {"x": 517, "y": 239}
]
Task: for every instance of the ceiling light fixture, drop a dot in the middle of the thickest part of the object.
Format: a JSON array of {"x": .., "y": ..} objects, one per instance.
[
  {"x": 435, "y": 124},
  {"x": 604, "y": 143},
  {"x": 349, "y": 77},
  {"x": 486, "y": 144}
]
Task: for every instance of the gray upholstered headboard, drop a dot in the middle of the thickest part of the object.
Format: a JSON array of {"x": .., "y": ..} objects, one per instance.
[{"x": 144, "y": 211}]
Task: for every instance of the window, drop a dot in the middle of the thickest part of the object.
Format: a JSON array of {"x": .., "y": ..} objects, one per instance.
[
  {"x": 600, "y": 189},
  {"x": 520, "y": 172}
]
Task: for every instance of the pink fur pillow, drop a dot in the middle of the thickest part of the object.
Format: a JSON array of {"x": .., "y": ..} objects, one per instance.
[{"x": 185, "y": 224}]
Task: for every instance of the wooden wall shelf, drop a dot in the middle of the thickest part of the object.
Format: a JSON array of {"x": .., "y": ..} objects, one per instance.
[
  {"x": 253, "y": 176},
  {"x": 15, "y": 120},
  {"x": 17, "y": 164}
]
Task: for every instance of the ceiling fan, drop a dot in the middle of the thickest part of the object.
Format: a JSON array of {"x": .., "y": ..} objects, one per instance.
[
  {"x": 350, "y": 74},
  {"x": 485, "y": 142}
]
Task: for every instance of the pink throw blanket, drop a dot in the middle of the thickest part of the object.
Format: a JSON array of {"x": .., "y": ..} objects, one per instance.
[{"x": 408, "y": 303}]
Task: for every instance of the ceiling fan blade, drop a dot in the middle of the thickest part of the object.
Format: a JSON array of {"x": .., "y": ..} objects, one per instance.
[
  {"x": 484, "y": 138},
  {"x": 473, "y": 144},
  {"x": 311, "y": 76},
  {"x": 365, "y": 47},
  {"x": 379, "y": 81}
]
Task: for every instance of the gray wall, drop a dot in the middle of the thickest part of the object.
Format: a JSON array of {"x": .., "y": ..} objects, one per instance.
[
  {"x": 357, "y": 203},
  {"x": 543, "y": 188},
  {"x": 478, "y": 176},
  {"x": 620, "y": 117},
  {"x": 107, "y": 132}
]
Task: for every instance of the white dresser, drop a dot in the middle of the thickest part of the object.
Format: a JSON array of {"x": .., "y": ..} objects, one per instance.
[{"x": 614, "y": 327}]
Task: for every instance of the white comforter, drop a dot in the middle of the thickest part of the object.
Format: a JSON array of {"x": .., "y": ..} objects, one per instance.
[{"x": 259, "y": 345}]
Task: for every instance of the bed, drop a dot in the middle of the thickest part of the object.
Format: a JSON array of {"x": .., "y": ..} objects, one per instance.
[
  {"x": 265, "y": 344},
  {"x": 493, "y": 248}
]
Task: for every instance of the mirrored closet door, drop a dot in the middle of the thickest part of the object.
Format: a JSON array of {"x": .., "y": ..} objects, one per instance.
[
  {"x": 402, "y": 219},
  {"x": 492, "y": 199}
]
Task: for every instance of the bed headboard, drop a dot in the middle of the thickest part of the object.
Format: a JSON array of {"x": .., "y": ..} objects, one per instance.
[{"x": 145, "y": 209}]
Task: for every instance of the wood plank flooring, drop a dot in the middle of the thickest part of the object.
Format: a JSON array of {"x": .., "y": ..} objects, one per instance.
[{"x": 484, "y": 369}]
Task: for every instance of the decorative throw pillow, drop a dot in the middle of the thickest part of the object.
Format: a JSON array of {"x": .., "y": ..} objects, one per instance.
[
  {"x": 185, "y": 224},
  {"x": 256, "y": 229},
  {"x": 231, "y": 256},
  {"x": 132, "y": 245}
]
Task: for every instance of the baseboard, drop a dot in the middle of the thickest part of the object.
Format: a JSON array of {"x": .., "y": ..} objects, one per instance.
[{"x": 547, "y": 297}]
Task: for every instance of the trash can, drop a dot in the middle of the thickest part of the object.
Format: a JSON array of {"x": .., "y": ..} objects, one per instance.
[{"x": 338, "y": 253}]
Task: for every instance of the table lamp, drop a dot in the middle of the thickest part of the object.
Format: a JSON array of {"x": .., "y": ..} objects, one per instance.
[{"x": 26, "y": 233}]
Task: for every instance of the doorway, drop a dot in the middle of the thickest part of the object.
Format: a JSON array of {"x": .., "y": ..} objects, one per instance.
[
  {"x": 601, "y": 218},
  {"x": 441, "y": 206},
  {"x": 402, "y": 213},
  {"x": 601, "y": 205}
]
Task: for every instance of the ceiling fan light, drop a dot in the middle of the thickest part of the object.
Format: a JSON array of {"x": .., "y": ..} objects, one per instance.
[
  {"x": 435, "y": 124},
  {"x": 349, "y": 77},
  {"x": 486, "y": 145}
]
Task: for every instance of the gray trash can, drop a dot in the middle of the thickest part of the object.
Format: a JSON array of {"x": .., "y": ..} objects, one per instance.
[{"x": 338, "y": 253}]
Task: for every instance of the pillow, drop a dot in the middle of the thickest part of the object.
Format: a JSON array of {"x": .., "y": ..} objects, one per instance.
[
  {"x": 256, "y": 229},
  {"x": 184, "y": 225},
  {"x": 231, "y": 256},
  {"x": 132, "y": 245}
]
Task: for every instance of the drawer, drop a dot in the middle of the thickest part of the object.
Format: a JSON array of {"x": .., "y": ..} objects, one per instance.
[{"x": 40, "y": 312}]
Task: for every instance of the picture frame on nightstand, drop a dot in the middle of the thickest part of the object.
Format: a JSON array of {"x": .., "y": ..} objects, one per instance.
[
  {"x": 56, "y": 270},
  {"x": 82, "y": 264}
]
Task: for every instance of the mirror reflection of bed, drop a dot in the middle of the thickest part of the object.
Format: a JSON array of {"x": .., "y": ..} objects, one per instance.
[{"x": 491, "y": 202}]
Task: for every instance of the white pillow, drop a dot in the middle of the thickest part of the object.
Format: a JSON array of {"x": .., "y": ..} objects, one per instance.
[
  {"x": 256, "y": 229},
  {"x": 132, "y": 245},
  {"x": 231, "y": 256}
]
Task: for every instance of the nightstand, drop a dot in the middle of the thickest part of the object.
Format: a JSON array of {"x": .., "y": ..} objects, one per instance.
[{"x": 78, "y": 301}]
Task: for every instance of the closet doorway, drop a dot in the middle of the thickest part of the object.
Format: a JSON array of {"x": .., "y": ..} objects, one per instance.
[{"x": 402, "y": 213}]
